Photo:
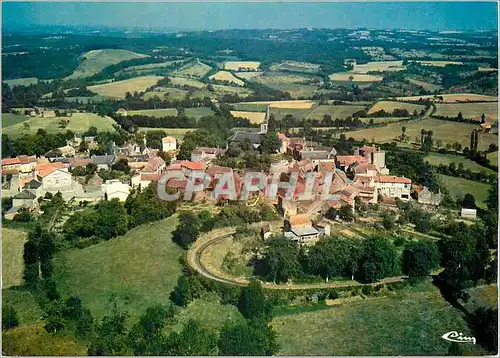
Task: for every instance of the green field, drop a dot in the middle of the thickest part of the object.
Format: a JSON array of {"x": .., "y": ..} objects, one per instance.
[
  {"x": 296, "y": 90},
  {"x": 95, "y": 61},
  {"x": 447, "y": 159},
  {"x": 142, "y": 69},
  {"x": 21, "y": 81},
  {"x": 78, "y": 122},
  {"x": 196, "y": 69},
  {"x": 340, "y": 111},
  {"x": 12, "y": 257},
  {"x": 177, "y": 133},
  {"x": 458, "y": 187},
  {"x": 469, "y": 110},
  {"x": 446, "y": 131},
  {"x": 162, "y": 112},
  {"x": 411, "y": 322},
  {"x": 169, "y": 94},
  {"x": 493, "y": 157},
  {"x": 139, "y": 269},
  {"x": 119, "y": 89},
  {"x": 182, "y": 81},
  {"x": 198, "y": 112},
  {"x": 9, "y": 119},
  {"x": 390, "y": 106}
]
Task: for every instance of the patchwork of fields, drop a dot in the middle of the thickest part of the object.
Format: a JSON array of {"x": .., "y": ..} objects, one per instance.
[
  {"x": 390, "y": 106},
  {"x": 469, "y": 110},
  {"x": 226, "y": 76},
  {"x": 118, "y": 89},
  {"x": 447, "y": 159},
  {"x": 458, "y": 187}
]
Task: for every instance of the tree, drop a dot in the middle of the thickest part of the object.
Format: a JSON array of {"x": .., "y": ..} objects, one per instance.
[
  {"x": 469, "y": 201},
  {"x": 9, "y": 317},
  {"x": 455, "y": 350},
  {"x": 484, "y": 322},
  {"x": 252, "y": 304},
  {"x": 333, "y": 257},
  {"x": 388, "y": 221},
  {"x": 121, "y": 165},
  {"x": 378, "y": 258},
  {"x": 111, "y": 336},
  {"x": 193, "y": 340},
  {"x": 187, "y": 289},
  {"x": 253, "y": 338},
  {"x": 270, "y": 143},
  {"x": 146, "y": 337},
  {"x": 420, "y": 258},
  {"x": 187, "y": 231},
  {"x": 280, "y": 260},
  {"x": 460, "y": 117},
  {"x": 492, "y": 198}
]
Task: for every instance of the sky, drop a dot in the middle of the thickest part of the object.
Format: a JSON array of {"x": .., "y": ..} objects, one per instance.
[{"x": 253, "y": 15}]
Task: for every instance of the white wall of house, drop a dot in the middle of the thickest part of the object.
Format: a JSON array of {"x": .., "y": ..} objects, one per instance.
[
  {"x": 58, "y": 180},
  {"x": 394, "y": 190}
]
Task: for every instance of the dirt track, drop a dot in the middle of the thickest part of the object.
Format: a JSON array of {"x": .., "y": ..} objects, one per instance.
[{"x": 194, "y": 261}]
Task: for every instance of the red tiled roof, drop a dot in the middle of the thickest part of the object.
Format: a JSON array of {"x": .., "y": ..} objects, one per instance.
[
  {"x": 11, "y": 161},
  {"x": 392, "y": 179},
  {"x": 150, "y": 177},
  {"x": 168, "y": 139},
  {"x": 27, "y": 159},
  {"x": 43, "y": 170},
  {"x": 299, "y": 220},
  {"x": 347, "y": 160},
  {"x": 193, "y": 165}
]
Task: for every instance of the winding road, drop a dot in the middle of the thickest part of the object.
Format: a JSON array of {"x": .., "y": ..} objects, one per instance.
[{"x": 194, "y": 260}]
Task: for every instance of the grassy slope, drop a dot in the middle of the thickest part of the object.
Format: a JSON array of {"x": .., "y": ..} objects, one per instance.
[
  {"x": 96, "y": 60},
  {"x": 21, "y": 81},
  {"x": 458, "y": 187},
  {"x": 446, "y": 159},
  {"x": 340, "y": 112},
  {"x": 409, "y": 323},
  {"x": 78, "y": 122},
  {"x": 469, "y": 110},
  {"x": 447, "y": 131},
  {"x": 493, "y": 157},
  {"x": 163, "y": 112},
  {"x": 12, "y": 257},
  {"x": 9, "y": 119},
  {"x": 119, "y": 89},
  {"x": 139, "y": 269}
]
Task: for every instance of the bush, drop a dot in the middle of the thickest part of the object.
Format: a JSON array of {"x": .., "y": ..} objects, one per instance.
[
  {"x": 367, "y": 290},
  {"x": 9, "y": 317}
]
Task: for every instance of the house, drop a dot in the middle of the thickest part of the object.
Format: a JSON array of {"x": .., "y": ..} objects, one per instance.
[
  {"x": 103, "y": 161},
  {"x": 142, "y": 180},
  {"x": 345, "y": 161},
  {"x": 56, "y": 180},
  {"x": 319, "y": 155},
  {"x": 115, "y": 189},
  {"x": 393, "y": 187},
  {"x": 48, "y": 113},
  {"x": 67, "y": 151},
  {"x": 485, "y": 127},
  {"x": 25, "y": 199},
  {"x": 285, "y": 141},
  {"x": 299, "y": 228},
  {"x": 240, "y": 137},
  {"x": 469, "y": 214},
  {"x": 375, "y": 156},
  {"x": 155, "y": 165},
  {"x": 168, "y": 143},
  {"x": 206, "y": 154},
  {"x": 28, "y": 164},
  {"x": 426, "y": 197},
  {"x": 11, "y": 164},
  {"x": 79, "y": 162},
  {"x": 122, "y": 112}
]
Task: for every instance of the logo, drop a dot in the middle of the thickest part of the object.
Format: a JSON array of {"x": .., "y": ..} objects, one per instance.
[{"x": 454, "y": 336}]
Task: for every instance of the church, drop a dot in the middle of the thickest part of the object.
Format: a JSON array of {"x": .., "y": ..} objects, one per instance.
[{"x": 253, "y": 137}]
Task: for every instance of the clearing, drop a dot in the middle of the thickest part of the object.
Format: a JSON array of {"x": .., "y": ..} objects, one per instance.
[
  {"x": 281, "y": 78},
  {"x": 226, "y": 76},
  {"x": 12, "y": 257},
  {"x": 241, "y": 65},
  {"x": 458, "y": 187},
  {"x": 295, "y": 66},
  {"x": 390, "y": 106},
  {"x": 469, "y": 110},
  {"x": 180, "y": 81},
  {"x": 294, "y": 89},
  {"x": 139, "y": 269},
  {"x": 198, "y": 112},
  {"x": 426, "y": 85},
  {"x": 149, "y": 67},
  {"x": 452, "y": 98},
  {"x": 354, "y": 77},
  {"x": 409, "y": 322},
  {"x": 253, "y": 117},
  {"x": 447, "y": 159},
  {"x": 10, "y": 119},
  {"x": 261, "y": 105},
  {"x": 240, "y": 91},
  {"x": 95, "y": 61},
  {"x": 248, "y": 75},
  {"x": 446, "y": 131},
  {"x": 167, "y": 93},
  {"x": 439, "y": 63},
  {"x": 162, "y": 112},
  {"x": 78, "y": 123},
  {"x": 21, "y": 81},
  {"x": 336, "y": 111},
  {"x": 378, "y": 66},
  {"x": 118, "y": 89}
]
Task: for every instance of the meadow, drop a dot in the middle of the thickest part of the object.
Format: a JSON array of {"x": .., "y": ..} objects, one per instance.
[
  {"x": 390, "y": 106},
  {"x": 78, "y": 123},
  {"x": 195, "y": 69},
  {"x": 167, "y": 93},
  {"x": 21, "y": 81},
  {"x": 95, "y": 61},
  {"x": 426, "y": 85},
  {"x": 295, "y": 66},
  {"x": 118, "y": 89},
  {"x": 439, "y": 63},
  {"x": 458, "y": 187},
  {"x": 295, "y": 90},
  {"x": 261, "y": 105},
  {"x": 181, "y": 81},
  {"x": 239, "y": 65},
  {"x": 253, "y": 117},
  {"x": 447, "y": 159},
  {"x": 446, "y": 131},
  {"x": 354, "y": 77},
  {"x": 162, "y": 112},
  {"x": 407, "y": 322},
  {"x": 12, "y": 257},
  {"x": 138, "y": 269},
  {"x": 453, "y": 98},
  {"x": 177, "y": 133},
  {"x": 148, "y": 67},
  {"x": 493, "y": 157},
  {"x": 469, "y": 110},
  {"x": 240, "y": 91},
  {"x": 9, "y": 119},
  {"x": 248, "y": 75},
  {"x": 226, "y": 76},
  {"x": 381, "y": 66},
  {"x": 335, "y": 111}
]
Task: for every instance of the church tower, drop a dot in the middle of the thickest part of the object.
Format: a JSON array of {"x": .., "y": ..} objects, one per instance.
[{"x": 265, "y": 124}]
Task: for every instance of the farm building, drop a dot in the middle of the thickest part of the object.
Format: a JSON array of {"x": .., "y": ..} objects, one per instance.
[
  {"x": 168, "y": 143},
  {"x": 469, "y": 214},
  {"x": 393, "y": 187},
  {"x": 299, "y": 228},
  {"x": 115, "y": 189},
  {"x": 426, "y": 197}
]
